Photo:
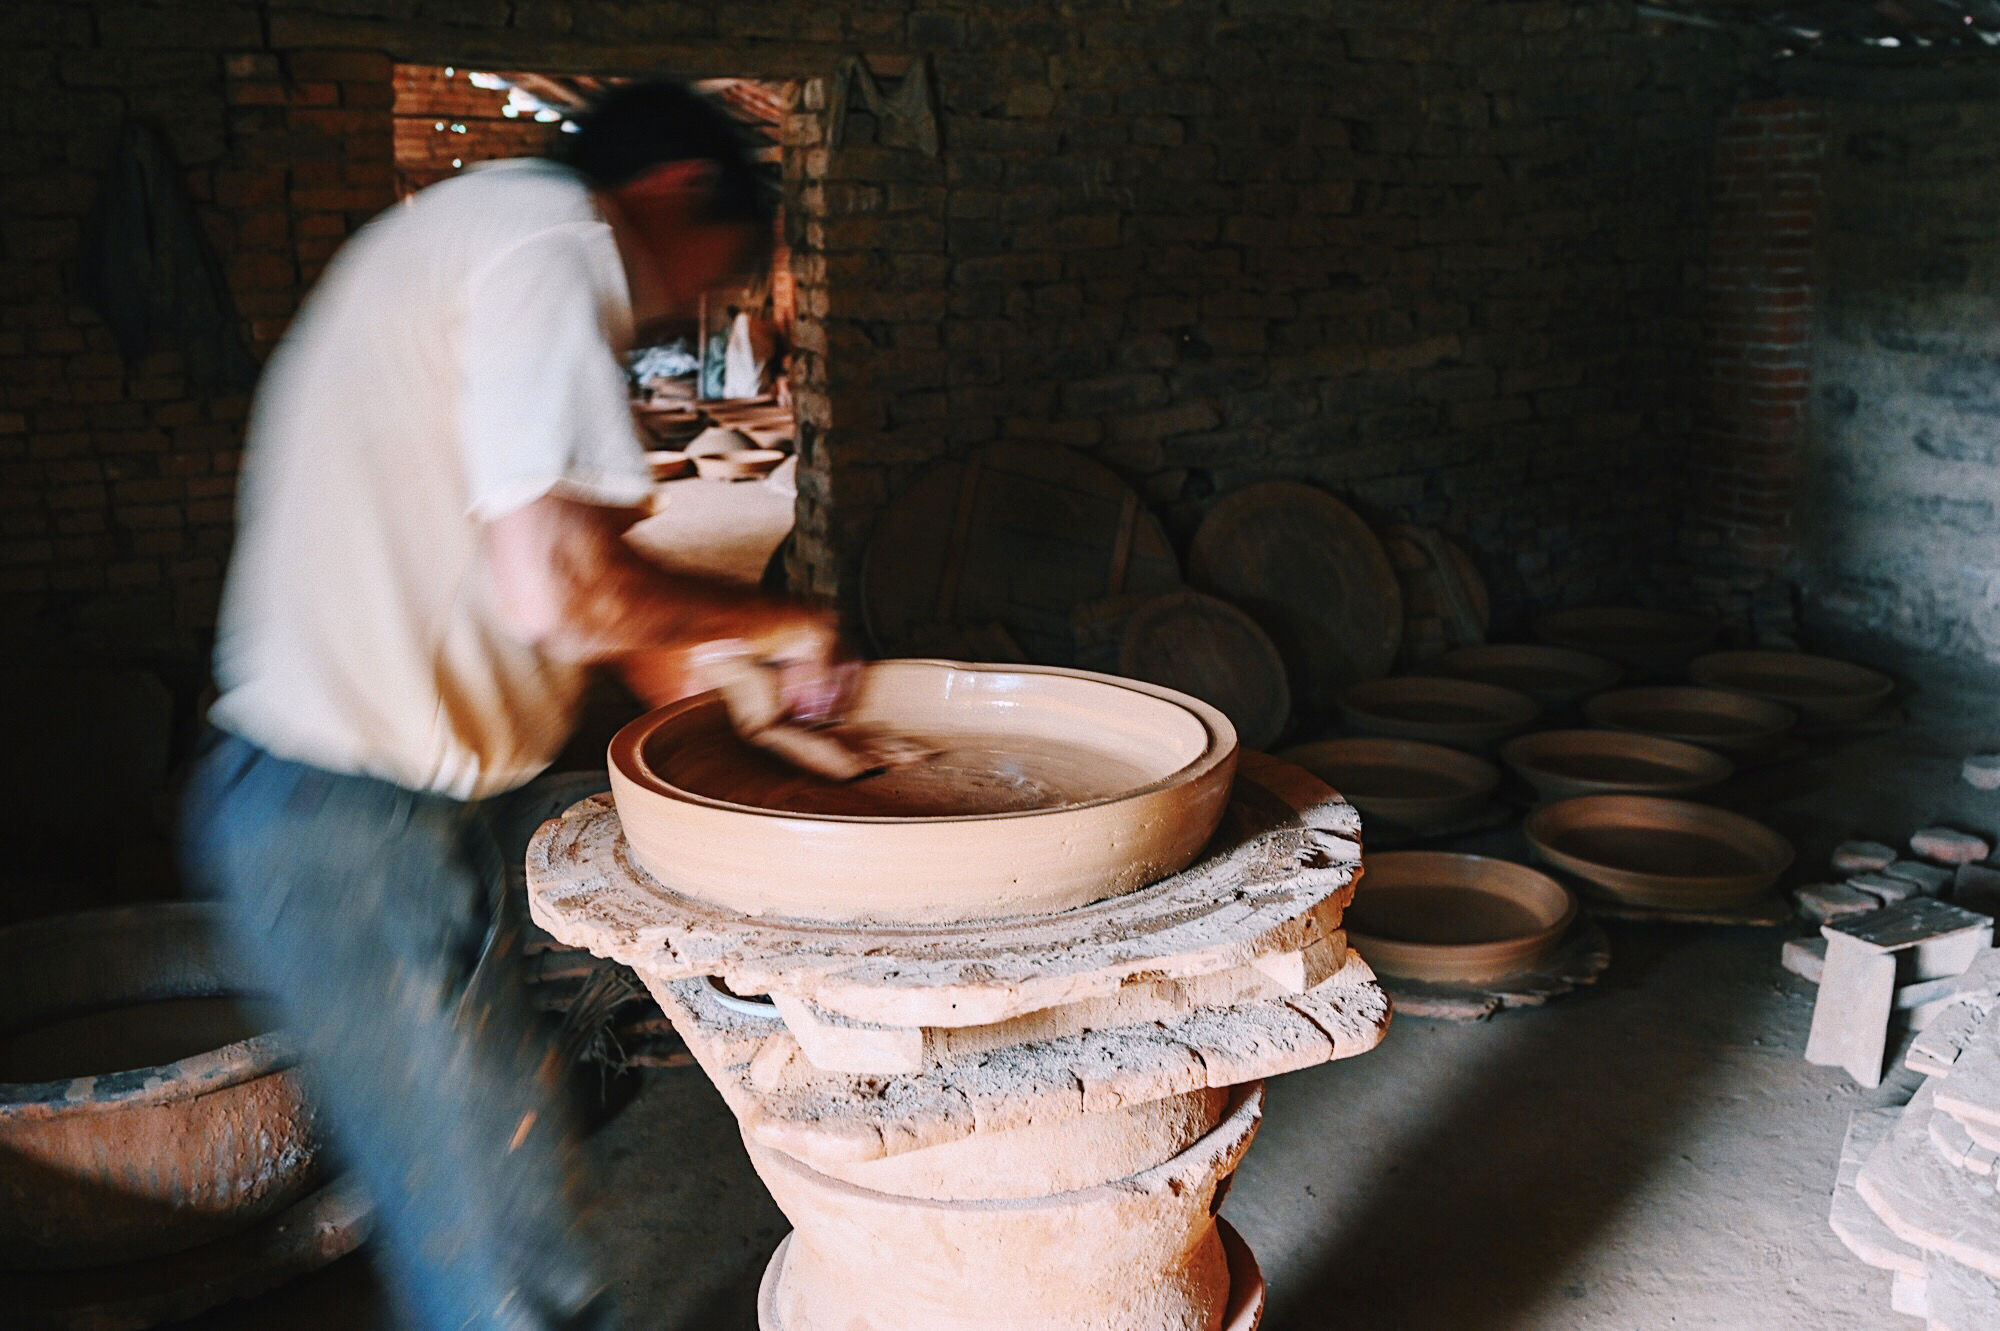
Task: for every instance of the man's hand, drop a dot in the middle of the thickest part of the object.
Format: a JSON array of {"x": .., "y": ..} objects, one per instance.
[{"x": 566, "y": 580}]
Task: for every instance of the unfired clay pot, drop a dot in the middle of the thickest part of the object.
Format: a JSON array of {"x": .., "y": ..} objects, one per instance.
[
  {"x": 1138, "y": 1254},
  {"x": 1660, "y": 854},
  {"x": 1052, "y": 788},
  {"x": 1456, "y": 919}
]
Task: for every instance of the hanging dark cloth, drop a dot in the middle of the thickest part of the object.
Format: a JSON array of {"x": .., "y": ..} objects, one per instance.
[{"x": 148, "y": 270}]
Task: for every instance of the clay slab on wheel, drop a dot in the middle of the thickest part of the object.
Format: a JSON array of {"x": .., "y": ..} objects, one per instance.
[{"x": 1051, "y": 789}]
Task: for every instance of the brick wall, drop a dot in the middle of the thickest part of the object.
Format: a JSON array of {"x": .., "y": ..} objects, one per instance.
[
  {"x": 443, "y": 122},
  {"x": 1740, "y": 536},
  {"x": 1901, "y": 490}
]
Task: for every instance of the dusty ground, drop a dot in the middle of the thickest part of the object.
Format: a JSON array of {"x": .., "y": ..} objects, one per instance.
[{"x": 1653, "y": 1153}]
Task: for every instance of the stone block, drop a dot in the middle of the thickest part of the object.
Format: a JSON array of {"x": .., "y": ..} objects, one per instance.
[{"x": 1862, "y": 857}]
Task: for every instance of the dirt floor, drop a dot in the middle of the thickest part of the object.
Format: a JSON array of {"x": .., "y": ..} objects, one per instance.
[{"x": 1650, "y": 1153}]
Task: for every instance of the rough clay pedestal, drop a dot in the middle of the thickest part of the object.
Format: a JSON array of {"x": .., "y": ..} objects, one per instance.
[{"x": 1047, "y": 1105}]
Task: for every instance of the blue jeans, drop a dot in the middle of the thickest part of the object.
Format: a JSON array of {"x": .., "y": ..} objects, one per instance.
[{"x": 376, "y": 917}]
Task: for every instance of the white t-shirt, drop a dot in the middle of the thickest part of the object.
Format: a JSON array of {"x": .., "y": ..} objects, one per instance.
[{"x": 458, "y": 360}]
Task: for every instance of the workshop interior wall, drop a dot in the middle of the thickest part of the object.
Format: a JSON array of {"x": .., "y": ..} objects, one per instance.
[
  {"x": 1902, "y": 478},
  {"x": 1444, "y": 259}
]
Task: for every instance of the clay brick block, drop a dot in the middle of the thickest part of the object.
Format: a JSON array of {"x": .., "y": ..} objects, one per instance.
[{"x": 341, "y": 66}]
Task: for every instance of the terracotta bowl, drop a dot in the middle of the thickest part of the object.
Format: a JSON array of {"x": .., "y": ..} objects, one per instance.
[
  {"x": 1818, "y": 688},
  {"x": 1455, "y": 919},
  {"x": 1052, "y": 788},
  {"x": 668, "y": 465},
  {"x": 1562, "y": 764},
  {"x": 1731, "y": 723},
  {"x": 1436, "y": 709},
  {"x": 1655, "y": 640},
  {"x": 745, "y": 465},
  {"x": 1403, "y": 781},
  {"x": 1659, "y": 853},
  {"x": 1552, "y": 676}
]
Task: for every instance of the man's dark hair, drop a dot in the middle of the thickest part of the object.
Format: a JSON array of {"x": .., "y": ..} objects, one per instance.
[{"x": 630, "y": 128}]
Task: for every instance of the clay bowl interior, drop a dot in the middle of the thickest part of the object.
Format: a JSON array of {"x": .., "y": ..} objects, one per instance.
[
  {"x": 1818, "y": 688},
  {"x": 1659, "y": 853},
  {"x": 1552, "y": 676},
  {"x": 1455, "y": 919},
  {"x": 1436, "y": 709},
  {"x": 1731, "y": 723},
  {"x": 1654, "y": 640},
  {"x": 1407, "y": 782},
  {"x": 1562, "y": 764},
  {"x": 1051, "y": 788}
]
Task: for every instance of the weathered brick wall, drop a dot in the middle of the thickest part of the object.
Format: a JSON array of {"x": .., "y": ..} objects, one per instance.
[
  {"x": 1740, "y": 537},
  {"x": 444, "y": 122},
  {"x": 1902, "y": 491}
]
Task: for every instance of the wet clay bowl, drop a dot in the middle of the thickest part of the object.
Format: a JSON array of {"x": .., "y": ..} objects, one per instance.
[
  {"x": 1051, "y": 788},
  {"x": 1656, "y": 853},
  {"x": 1562, "y": 764},
  {"x": 1552, "y": 676},
  {"x": 1436, "y": 710},
  {"x": 1661, "y": 641},
  {"x": 1455, "y": 919},
  {"x": 1731, "y": 723},
  {"x": 1423, "y": 787},
  {"x": 1818, "y": 688}
]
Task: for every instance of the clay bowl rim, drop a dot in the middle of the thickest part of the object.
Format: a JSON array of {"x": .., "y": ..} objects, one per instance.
[
  {"x": 190, "y": 1078},
  {"x": 1594, "y": 673},
  {"x": 1519, "y": 751},
  {"x": 1520, "y": 710},
  {"x": 1624, "y": 883},
  {"x": 1505, "y": 956},
  {"x": 1486, "y": 775},
  {"x": 1558, "y": 628},
  {"x": 743, "y": 462},
  {"x": 1778, "y": 719},
  {"x": 1710, "y": 670},
  {"x": 627, "y": 751}
]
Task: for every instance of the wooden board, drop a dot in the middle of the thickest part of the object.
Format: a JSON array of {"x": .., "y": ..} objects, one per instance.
[
  {"x": 1445, "y": 602},
  {"x": 1208, "y": 648},
  {"x": 1313, "y": 576},
  {"x": 1015, "y": 534}
]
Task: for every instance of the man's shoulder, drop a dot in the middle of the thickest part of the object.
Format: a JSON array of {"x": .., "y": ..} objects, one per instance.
[{"x": 520, "y": 193}]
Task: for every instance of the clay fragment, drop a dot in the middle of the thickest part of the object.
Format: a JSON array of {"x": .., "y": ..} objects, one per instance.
[
  {"x": 1825, "y": 902},
  {"x": 1948, "y": 845},
  {"x": 1982, "y": 771},
  {"x": 1862, "y": 856},
  {"x": 1889, "y": 891},
  {"x": 1931, "y": 879}
]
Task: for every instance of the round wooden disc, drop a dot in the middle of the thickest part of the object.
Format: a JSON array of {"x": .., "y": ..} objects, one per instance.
[
  {"x": 1445, "y": 602},
  {"x": 1014, "y": 534},
  {"x": 1313, "y": 576},
  {"x": 1212, "y": 650}
]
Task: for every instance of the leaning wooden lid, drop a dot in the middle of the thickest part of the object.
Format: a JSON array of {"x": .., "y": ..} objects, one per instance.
[
  {"x": 1014, "y": 534},
  {"x": 1209, "y": 648},
  {"x": 1313, "y": 575}
]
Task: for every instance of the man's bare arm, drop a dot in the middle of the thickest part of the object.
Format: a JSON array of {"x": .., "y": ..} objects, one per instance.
[{"x": 569, "y": 583}]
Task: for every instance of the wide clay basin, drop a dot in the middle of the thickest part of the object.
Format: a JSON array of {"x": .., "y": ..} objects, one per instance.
[
  {"x": 1455, "y": 919},
  {"x": 1052, "y": 788},
  {"x": 1659, "y": 853},
  {"x": 143, "y": 1111}
]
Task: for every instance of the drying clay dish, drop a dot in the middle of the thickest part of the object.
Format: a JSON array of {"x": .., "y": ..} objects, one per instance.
[
  {"x": 718, "y": 441},
  {"x": 1663, "y": 854},
  {"x": 1552, "y": 676},
  {"x": 1656, "y": 640},
  {"x": 1407, "y": 782},
  {"x": 745, "y": 465},
  {"x": 1562, "y": 764},
  {"x": 1818, "y": 688},
  {"x": 1052, "y": 788},
  {"x": 667, "y": 465},
  {"x": 1455, "y": 919},
  {"x": 1731, "y": 723},
  {"x": 1435, "y": 709}
]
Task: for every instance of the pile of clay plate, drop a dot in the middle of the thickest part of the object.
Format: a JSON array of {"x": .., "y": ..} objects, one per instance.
[
  {"x": 1918, "y": 1192},
  {"x": 999, "y": 1125}
]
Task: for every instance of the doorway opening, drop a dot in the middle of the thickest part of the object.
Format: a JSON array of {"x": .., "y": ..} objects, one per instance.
[{"x": 710, "y": 393}]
